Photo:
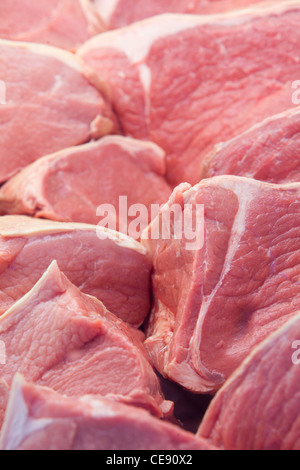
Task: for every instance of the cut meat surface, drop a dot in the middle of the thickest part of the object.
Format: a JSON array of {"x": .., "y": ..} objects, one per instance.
[
  {"x": 171, "y": 72},
  {"x": 58, "y": 337},
  {"x": 50, "y": 105},
  {"x": 119, "y": 13},
  {"x": 40, "y": 419},
  {"x": 270, "y": 151},
  {"x": 105, "y": 264},
  {"x": 214, "y": 303},
  {"x": 69, "y": 186},
  {"x": 258, "y": 408},
  {"x": 61, "y": 23}
]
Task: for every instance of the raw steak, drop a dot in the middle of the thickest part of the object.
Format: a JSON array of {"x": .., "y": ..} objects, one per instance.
[
  {"x": 189, "y": 82},
  {"x": 270, "y": 151},
  {"x": 118, "y": 13},
  {"x": 58, "y": 337},
  {"x": 40, "y": 419},
  {"x": 214, "y": 303},
  {"x": 62, "y": 23},
  {"x": 70, "y": 185},
  {"x": 115, "y": 269},
  {"x": 258, "y": 408},
  {"x": 50, "y": 105}
]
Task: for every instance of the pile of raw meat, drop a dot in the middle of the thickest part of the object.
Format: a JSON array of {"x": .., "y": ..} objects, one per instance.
[{"x": 115, "y": 342}]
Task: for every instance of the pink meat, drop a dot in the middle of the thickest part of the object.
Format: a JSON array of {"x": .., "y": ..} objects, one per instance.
[
  {"x": 270, "y": 151},
  {"x": 40, "y": 419},
  {"x": 214, "y": 302},
  {"x": 258, "y": 408},
  {"x": 58, "y": 337},
  {"x": 190, "y": 82},
  {"x": 70, "y": 185},
  {"x": 119, "y": 13},
  {"x": 61, "y": 23},
  {"x": 113, "y": 268},
  {"x": 50, "y": 105}
]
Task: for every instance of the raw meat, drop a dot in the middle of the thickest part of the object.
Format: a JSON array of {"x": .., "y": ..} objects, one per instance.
[
  {"x": 40, "y": 419},
  {"x": 50, "y": 105},
  {"x": 70, "y": 185},
  {"x": 214, "y": 303},
  {"x": 61, "y": 23},
  {"x": 270, "y": 152},
  {"x": 189, "y": 82},
  {"x": 119, "y": 13},
  {"x": 58, "y": 337},
  {"x": 114, "y": 268},
  {"x": 258, "y": 408}
]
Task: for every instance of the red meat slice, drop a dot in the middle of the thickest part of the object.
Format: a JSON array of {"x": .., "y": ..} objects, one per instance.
[
  {"x": 70, "y": 185},
  {"x": 61, "y": 23},
  {"x": 190, "y": 82},
  {"x": 214, "y": 303},
  {"x": 58, "y": 337},
  {"x": 270, "y": 151},
  {"x": 40, "y": 419},
  {"x": 258, "y": 408},
  {"x": 50, "y": 104},
  {"x": 113, "y": 268}
]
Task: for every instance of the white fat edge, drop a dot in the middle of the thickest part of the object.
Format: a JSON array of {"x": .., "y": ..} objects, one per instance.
[
  {"x": 18, "y": 425},
  {"x": 106, "y": 9},
  {"x": 89, "y": 10},
  {"x": 98, "y": 408},
  {"x": 146, "y": 80},
  {"x": 33, "y": 227},
  {"x": 185, "y": 375},
  {"x": 19, "y": 304},
  {"x": 61, "y": 55},
  {"x": 136, "y": 40}
]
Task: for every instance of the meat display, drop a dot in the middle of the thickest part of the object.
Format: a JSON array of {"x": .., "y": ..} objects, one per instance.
[{"x": 149, "y": 227}]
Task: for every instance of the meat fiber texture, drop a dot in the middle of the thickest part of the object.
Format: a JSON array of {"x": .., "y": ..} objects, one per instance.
[
  {"x": 50, "y": 104},
  {"x": 70, "y": 185},
  {"x": 61, "y": 23},
  {"x": 270, "y": 151},
  {"x": 190, "y": 82},
  {"x": 105, "y": 264},
  {"x": 258, "y": 408},
  {"x": 119, "y": 13},
  {"x": 215, "y": 302},
  {"x": 58, "y": 337},
  {"x": 40, "y": 419}
]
